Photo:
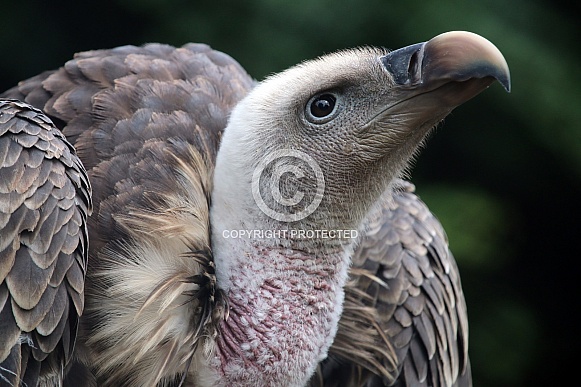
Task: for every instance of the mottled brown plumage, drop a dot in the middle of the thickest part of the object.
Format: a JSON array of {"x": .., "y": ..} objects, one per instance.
[
  {"x": 146, "y": 123},
  {"x": 404, "y": 280},
  {"x": 44, "y": 204}
]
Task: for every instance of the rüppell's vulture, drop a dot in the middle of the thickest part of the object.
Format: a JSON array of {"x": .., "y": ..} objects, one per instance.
[{"x": 242, "y": 233}]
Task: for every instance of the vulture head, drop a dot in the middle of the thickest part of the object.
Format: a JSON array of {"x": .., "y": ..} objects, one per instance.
[
  {"x": 311, "y": 150},
  {"x": 342, "y": 126}
]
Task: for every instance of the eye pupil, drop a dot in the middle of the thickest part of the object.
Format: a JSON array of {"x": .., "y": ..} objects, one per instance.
[{"x": 323, "y": 105}]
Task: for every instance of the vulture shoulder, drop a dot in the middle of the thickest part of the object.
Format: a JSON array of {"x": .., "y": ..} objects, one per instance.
[
  {"x": 146, "y": 123},
  {"x": 404, "y": 321},
  {"x": 44, "y": 204}
]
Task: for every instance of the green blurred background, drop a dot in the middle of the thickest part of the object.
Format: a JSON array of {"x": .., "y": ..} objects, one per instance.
[{"x": 503, "y": 174}]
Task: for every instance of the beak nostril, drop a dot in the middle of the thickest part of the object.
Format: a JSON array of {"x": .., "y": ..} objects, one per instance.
[
  {"x": 414, "y": 67},
  {"x": 405, "y": 64}
]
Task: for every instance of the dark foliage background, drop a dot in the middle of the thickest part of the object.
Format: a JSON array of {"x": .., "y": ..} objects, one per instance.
[{"x": 503, "y": 173}]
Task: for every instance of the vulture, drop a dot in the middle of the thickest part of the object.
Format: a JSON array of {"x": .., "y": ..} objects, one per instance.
[{"x": 166, "y": 220}]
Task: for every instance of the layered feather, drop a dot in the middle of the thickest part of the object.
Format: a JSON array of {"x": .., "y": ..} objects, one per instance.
[
  {"x": 406, "y": 288},
  {"x": 45, "y": 198}
]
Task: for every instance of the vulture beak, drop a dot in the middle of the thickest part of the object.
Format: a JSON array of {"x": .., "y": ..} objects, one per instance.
[{"x": 450, "y": 58}]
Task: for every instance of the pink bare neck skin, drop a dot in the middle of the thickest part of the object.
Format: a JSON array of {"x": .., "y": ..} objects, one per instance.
[{"x": 284, "y": 309}]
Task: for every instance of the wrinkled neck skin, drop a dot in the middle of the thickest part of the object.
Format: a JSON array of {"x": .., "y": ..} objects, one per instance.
[
  {"x": 285, "y": 297},
  {"x": 284, "y": 309}
]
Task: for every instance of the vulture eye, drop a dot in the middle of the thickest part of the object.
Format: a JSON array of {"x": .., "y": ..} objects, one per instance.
[{"x": 321, "y": 107}]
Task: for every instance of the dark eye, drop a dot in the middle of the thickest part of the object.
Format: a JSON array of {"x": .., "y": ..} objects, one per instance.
[
  {"x": 323, "y": 108},
  {"x": 322, "y": 105}
]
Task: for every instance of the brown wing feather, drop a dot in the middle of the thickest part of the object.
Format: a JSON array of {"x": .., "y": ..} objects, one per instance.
[
  {"x": 44, "y": 204},
  {"x": 405, "y": 282},
  {"x": 146, "y": 122}
]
